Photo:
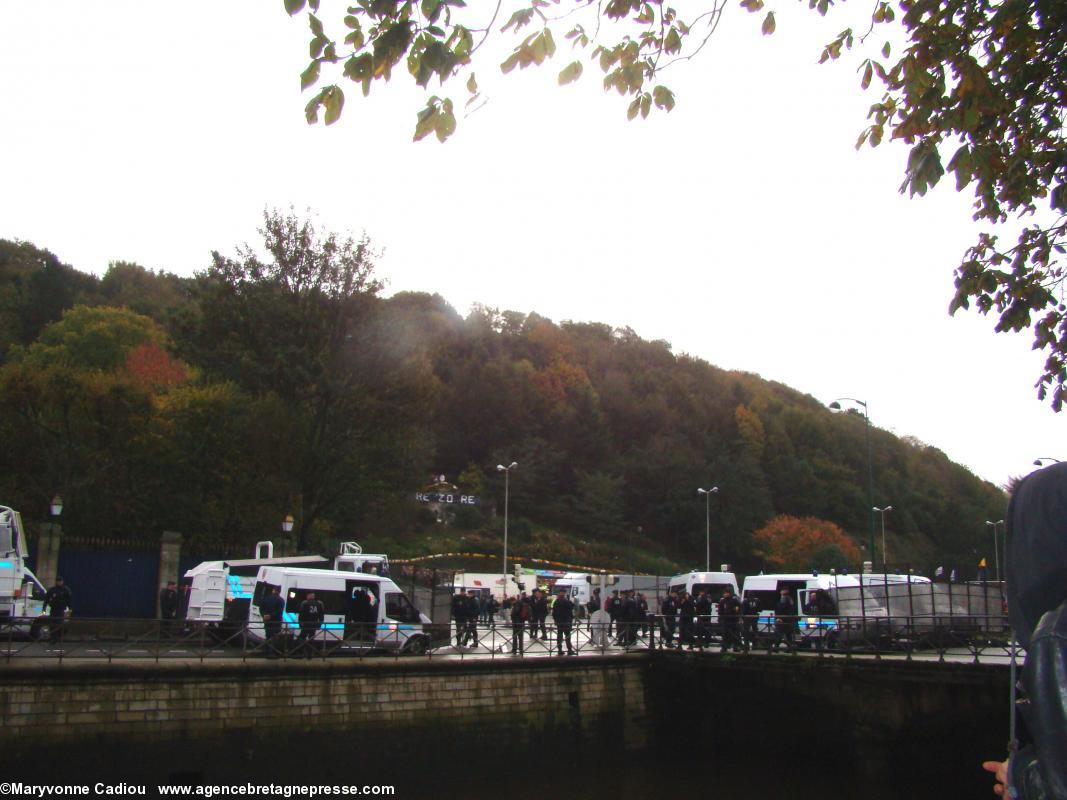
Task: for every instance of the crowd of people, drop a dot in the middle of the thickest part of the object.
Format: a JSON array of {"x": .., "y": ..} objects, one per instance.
[{"x": 684, "y": 620}]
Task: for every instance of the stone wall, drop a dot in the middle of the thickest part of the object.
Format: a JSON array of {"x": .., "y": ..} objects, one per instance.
[{"x": 430, "y": 706}]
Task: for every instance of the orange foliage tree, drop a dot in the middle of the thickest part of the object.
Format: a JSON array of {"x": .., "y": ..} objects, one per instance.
[{"x": 798, "y": 544}]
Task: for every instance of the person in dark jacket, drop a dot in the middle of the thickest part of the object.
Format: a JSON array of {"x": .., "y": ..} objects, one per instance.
[
  {"x": 520, "y": 615},
  {"x": 459, "y": 615},
  {"x": 271, "y": 608},
  {"x": 730, "y": 618},
  {"x": 750, "y": 614},
  {"x": 540, "y": 615},
  {"x": 614, "y": 609},
  {"x": 1036, "y": 537},
  {"x": 687, "y": 609},
  {"x": 58, "y": 602},
  {"x": 703, "y": 608},
  {"x": 473, "y": 609},
  {"x": 563, "y": 616},
  {"x": 785, "y": 620},
  {"x": 642, "y": 613},
  {"x": 668, "y": 609},
  {"x": 312, "y": 613},
  {"x": 168, "y": 607}
]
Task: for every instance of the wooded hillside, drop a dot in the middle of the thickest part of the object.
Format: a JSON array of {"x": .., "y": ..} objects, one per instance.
[{"x": 286, "y": 383}]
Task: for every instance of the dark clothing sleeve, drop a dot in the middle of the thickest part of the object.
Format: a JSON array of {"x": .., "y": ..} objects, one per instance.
[{"x": 1039, "y": 772}]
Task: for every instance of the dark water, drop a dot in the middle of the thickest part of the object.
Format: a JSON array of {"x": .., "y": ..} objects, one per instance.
[{"x": 547, "y": 770}]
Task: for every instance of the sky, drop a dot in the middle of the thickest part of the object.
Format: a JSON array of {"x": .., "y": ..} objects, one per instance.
[{"x": 744, "y": 227}]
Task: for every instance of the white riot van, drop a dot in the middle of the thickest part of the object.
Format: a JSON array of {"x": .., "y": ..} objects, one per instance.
[
  {"x": 364, "y": 612},
  {"x": 21, "y": 594},
  {"x": 830, "y": 608},
  {"x": 713, "y": 583},
  {"x": 221, "y": 591}
]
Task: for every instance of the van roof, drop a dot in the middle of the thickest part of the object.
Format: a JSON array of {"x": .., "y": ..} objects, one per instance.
[{"x": 297, "y": 572}]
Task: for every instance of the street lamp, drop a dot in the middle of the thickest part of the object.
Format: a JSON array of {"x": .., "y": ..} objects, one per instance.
[
  {"x": 56, "y": 506},
  {"x": 1040, "y": 462},
  {"x": 885, "y": 558},
  {"x": 996, "y": 550},
  {"x": 507, "y": 475},
  {"x": 707, "y": 521},
  {"x": 287, "y": 523},
  {"x": 836, "y": 406}
]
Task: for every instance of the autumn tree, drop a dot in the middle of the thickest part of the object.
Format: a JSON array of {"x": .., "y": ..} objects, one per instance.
[
  {"x": 978, "y": 90},
  {"x": 798, "y": 544}
]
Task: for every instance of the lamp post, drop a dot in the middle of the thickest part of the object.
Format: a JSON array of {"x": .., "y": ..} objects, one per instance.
[
  {"x": 707, "y": 524},
  {"x": 996, "y": 549},
  {"x": 1040, "y": 462},
  {"x": 885, "y": 558},
  {"x": 56, "y": 506},
  {"x": 287, "y": 523},
  {"x": 836, "y": 406},
  {"x": 507, "y": 475}
]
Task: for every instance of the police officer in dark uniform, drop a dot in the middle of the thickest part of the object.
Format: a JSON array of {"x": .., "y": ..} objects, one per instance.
[
  {"x": 669, "y": 611},
  {"x": 540, "y": 614},
  {"x": 628, "y": 632},
  {"x": 520, "y": 615},
  {"x": 750, "y": 613},
  {"x": 686, "y": 611},
  {"x": 642, "y": 613},
  {"x": 459, "y": 614},
  {"x": 271, "y": 608},
  {"x": 563, "y": 616},
  {"x": 730, "y": 618},
  {"x": 168, "y": 606},
  {"x": 473, "y": 609},
  {"x": 785, "y": 620},
  {"x": 703, "y": 608},
  {"x": 58, "y": 602},
  {"x": 311, "y": 614},
  {"x": 614, "y": 610}
]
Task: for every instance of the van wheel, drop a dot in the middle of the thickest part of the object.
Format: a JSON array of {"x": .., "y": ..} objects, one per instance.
[{"x": 415, "y": 647}]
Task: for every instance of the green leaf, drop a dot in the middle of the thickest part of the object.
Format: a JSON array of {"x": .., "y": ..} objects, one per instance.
[
  {"x": 886, "y": 50},
  {"x": 426, "y": 122},
  {"x": 634, "y": 108},
  {"x": 431, "y": 9},
  {"x": 472, "y": 84},
  {"x": 672, "y": 42},
  {"x": 550, "y": 43},
  {"x": 446, "y": 123},
  {"x": 768, "y": 24},
  {"x": 663, "y": 98},
  {"x": 510, "y": 63},
  {"x": 570, "y": 73},
  {"x": 316, "y": 25},
  {"x": 293, "y": 7},
  {"x": 334, "y": 102},
  {"x": 309, "y": 76},
  {"x": 868, "y": 73}
]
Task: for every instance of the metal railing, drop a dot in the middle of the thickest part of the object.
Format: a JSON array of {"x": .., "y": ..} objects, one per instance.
[{"x": 957, "y": 638}]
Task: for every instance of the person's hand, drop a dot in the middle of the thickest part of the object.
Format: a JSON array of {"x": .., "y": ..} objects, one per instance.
[{"x": 1000, "y": 772}]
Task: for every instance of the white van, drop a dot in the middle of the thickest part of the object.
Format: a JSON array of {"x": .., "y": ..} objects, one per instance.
[
  {"x": 220, "y": 591},
  {"x": 21, "y": 594},
  {"x": 713, "y": 583},
  {"x": 842, "y": 610},
  {"x": 363, "y": 611}
]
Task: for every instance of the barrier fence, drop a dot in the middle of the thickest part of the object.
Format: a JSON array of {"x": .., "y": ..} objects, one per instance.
[{"x": 956, "y": 637}]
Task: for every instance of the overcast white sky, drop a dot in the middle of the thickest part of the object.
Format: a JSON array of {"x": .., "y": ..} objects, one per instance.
[{"x": 744, "y": 227}]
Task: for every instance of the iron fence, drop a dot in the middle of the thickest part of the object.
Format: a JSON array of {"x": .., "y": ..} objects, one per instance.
[{"x": 933, "y": 636}]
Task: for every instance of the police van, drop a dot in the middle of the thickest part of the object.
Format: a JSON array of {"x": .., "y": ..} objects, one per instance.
[
  {"x": 832, "y": 608},
  {"x": 363, "y": 612},
  {"x": 220, "y": 592},
  {"x": 714, "y": 584},
  {"x": 21, "y": 594}
]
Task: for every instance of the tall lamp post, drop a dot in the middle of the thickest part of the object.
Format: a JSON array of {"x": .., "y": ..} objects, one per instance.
[
  {"x": 885, "y": 558},
  {"x": 507, "y": 475},
  {"x": 836, "y": 406},
  {"x": 707, "y": 524},
  {"x": 996, "y": 549}
]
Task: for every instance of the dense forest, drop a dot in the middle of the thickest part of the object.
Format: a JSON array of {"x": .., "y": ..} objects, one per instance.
[{"x": 280, "y": 380}]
